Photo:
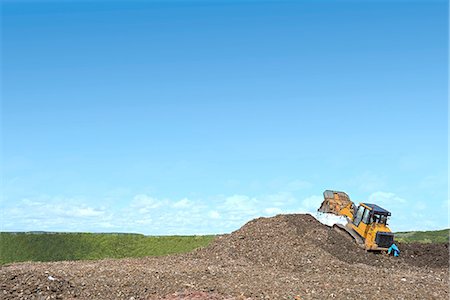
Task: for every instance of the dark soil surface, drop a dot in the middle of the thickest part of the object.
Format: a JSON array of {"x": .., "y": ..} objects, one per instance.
[
  {"x": 284, "y": 257},
  {"x": 425, "y": 255}
]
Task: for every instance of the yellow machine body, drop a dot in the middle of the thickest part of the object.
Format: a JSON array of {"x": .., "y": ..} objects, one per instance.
[{"x": 367, "y": 223}]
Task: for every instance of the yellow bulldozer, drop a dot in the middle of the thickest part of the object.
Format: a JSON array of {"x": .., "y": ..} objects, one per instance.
[{"x": 366, "y": 224}]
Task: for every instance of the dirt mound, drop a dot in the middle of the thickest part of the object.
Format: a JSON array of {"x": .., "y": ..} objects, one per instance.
[
  {"x": 284, "y": 257},
  {"x": 284, "y": 241},
  {"x": 291, "y": 241},
  {"x": 425, "y": 255}
]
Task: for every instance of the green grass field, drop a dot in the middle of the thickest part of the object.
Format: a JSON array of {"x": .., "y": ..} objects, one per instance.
[
  {"x": 17, "y": 247},
  {"x": 438, "y": 236}
]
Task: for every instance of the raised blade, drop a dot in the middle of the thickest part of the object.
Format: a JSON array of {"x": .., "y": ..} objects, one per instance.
[{"x": 334, "y": 201}]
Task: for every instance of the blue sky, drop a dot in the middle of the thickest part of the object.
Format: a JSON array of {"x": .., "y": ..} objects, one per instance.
[{"x": 192, "y": 117}]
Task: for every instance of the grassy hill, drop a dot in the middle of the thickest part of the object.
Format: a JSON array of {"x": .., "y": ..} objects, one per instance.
[
  {"x": 16, "y": 247},
  {"x": 437, "y": 236}
]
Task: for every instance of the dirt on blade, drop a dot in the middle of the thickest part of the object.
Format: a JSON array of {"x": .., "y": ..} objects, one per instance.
[{"x": 283, "y": 257}]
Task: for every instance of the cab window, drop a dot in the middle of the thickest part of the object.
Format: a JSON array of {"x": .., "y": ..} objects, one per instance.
[
  {"x": 359, "y": 215},
  {"x": 366, "y": 216},
  {"x": 377, "y": 218}
]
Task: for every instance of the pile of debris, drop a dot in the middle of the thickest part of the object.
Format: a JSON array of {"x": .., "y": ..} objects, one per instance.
[{"x": 283, "y": 257}]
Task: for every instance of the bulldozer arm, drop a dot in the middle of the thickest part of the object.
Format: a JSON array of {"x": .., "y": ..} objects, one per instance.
[{"x": 336, "y": 203}]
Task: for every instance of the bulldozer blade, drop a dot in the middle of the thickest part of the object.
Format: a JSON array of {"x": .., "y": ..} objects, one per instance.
[
  {"x": 346, "y": 230},
  {"x": 334, "y": 202}
]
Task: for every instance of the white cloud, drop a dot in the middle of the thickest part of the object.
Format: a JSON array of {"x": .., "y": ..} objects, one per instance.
[
  {"x": 214, "y": 214},
  {"x": 240, "y": 203},
  {"x": 54, "y": 213},
  {"x": 183, "y": 203},
  {"x": 29, "y": 202},
  {"x": 147, "y": 201},
  {"x": 85, "y": 212},
  {"x": 144, "y": 204},
  {"x": 311, "y": 203},
  {"x": 271, "y": 211},
  {"x": 385, "y": 198},
  {"x": 407, "y": 214},
  {"x": 236, "y": 210},
  {"x": 280, "y": 199},
  {"x": 150, "y": 215}
]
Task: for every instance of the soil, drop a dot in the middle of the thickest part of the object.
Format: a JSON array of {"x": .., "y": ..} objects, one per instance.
[
  {"x": 283, "y": 257},
  {"x": 425, "y": 255}
]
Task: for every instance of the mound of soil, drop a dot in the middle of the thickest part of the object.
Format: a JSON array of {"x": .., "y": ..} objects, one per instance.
[
  {"x": 288, "y": 241},
  {"x": 284, "y": 257},
  {"x": 285, "y": 241},
  {"x": 425, "y": 255}
]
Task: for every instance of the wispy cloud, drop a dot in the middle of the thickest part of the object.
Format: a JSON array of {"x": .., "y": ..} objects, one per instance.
[
  {"x": 55, "y": 213},
  {"x": 151, "y": 215},
  {"x": 273, "y": 210},
  {"x": 408, "y": 214},
  {"x": 311, "y": 203},
  {"x": 145, "y": 204},
  {"x": 385, "y": 198},
  {"x": 183, "y": 203},
  {"x": 214, "y": 214}
]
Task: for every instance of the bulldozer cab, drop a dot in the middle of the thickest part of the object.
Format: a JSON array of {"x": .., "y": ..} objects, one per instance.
[
  {"x": 370, "y": 222},
  {"x": 370, "y": 213}
]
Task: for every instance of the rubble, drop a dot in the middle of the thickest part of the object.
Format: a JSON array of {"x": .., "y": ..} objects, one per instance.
[{"x": 283, "y": 257}]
